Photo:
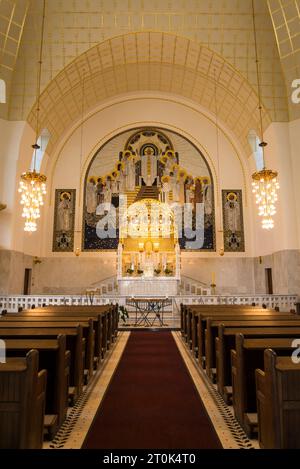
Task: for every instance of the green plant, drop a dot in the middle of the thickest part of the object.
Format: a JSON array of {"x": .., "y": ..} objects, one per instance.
[
  {"x": 123, "y": 313},
  {"x": 130, "y": 271},
  {"x": 140, "y": 271},
  {"x": 168, "y": 271},
  {"x": 157, "y": 271}
]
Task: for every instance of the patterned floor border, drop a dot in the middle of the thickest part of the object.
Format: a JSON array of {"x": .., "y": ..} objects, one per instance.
[
  {"x": 79, "y": 419},
  {"x": 230, "y": 433}
]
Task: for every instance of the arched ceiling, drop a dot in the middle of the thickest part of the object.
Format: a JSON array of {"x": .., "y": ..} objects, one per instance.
[
  {"x": 286, "y": 21},
  {"x": 73, "y": 27},
  {"x": 149, "y": 61},
  {"x": 12, "y": 20}
]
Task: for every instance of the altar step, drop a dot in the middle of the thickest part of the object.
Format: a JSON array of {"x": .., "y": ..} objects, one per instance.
[
  {"x": 131, "y": 196},
  {"x": 147, "y": 192}
]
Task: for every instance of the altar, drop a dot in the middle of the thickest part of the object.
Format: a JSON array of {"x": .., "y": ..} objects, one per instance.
[
  {"x": 148, "y": 256},
  {"x": 162, "y": 286}
]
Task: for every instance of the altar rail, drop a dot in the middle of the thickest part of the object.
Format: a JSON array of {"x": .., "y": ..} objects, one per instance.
[
  {"x": 12, "y": 302},
  {"x": 283, "y": 302}
]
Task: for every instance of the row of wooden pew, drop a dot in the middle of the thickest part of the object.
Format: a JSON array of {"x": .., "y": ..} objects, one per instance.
[
  {"x": 247, "y": 353},
  {"x": 51, "y": 354}
]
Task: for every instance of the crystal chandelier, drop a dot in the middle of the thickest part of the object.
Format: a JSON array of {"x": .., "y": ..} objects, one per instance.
[
  {"x": 265, "y": 188},
  {"x": 32, "y": 188},
  {"x": 264, "y": 184},
  {"x": 33, "y": 184}
]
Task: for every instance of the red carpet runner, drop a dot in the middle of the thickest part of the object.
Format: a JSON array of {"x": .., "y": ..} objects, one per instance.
[{"x": 151, "y": 401}]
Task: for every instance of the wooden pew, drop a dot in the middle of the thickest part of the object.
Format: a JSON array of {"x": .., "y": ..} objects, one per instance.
[
  {"x": 45, "y": 322},
  {"x": 226, "y": 341},
  {"x": 107, "y": 326},
  {"x": 191, "y": 314},
  {"x": 238, "y": 316},
  {"x": 247, "y": 356},
  {"x": 22, "y": 402},
  {"x": 110, "y": 310},
  {"x": 278, "y": 402},
  {"x": 212, "y": 325},
  {"x": 53, "y": 357},
  {"x": 99, "y": 324},
  {"x": 74, "y": 343},
  {"x": 194, "y": 315}
]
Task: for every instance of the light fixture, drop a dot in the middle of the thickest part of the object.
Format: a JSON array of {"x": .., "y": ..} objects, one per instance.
[
  {"x": 141, "y": 247},
  {"x": 265, "y": 187},
  {"x": 77, "y": 252},
  {"x": 264, "y": 184},
  {"x": 33, "y": 184}
]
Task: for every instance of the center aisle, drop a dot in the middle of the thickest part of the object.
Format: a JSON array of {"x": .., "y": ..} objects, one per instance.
[{"x": 151, "y": 401}]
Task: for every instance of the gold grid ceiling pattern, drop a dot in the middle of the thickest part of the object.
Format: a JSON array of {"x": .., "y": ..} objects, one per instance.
[
  {"x": 12, "y": 20},
  {"x": 286, "y": 21},
  {"x": 74, "y": 26},
  {"x": 149, "y": 61}
]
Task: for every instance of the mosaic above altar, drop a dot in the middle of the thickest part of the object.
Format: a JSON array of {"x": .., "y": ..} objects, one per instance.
[{"x": 142, "y": 165}]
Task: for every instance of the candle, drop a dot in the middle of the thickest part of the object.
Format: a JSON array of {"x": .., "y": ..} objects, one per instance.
[
  {"x": 156, "y": 247},
  {"x": 213, "y": 278}
]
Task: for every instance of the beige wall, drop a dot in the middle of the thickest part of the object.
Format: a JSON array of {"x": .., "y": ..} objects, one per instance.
[
  {"x": 294, "y": 139},
  {"x": 72, "y": 275},
  {"x": 10, "y": 137},
  {"x": 12, "y": 269}
]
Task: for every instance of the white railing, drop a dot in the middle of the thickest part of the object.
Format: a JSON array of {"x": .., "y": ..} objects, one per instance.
[
  {"x": 283, "y": 302},
  {"x": 190, "y": 286},
  {"x": 13, "y": 302},
  {"x": 107, "y": 286}
]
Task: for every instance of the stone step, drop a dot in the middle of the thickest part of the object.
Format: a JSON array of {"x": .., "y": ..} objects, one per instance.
[{"x": 148, "y": 192}]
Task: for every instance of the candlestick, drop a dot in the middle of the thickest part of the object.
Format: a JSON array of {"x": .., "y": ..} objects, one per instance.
[{"x": 213, "y": 278}]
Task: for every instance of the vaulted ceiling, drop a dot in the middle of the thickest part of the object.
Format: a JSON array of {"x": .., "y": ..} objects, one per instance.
[
  {"x": 178, "y": 46},
  {"x": 149, "y": 61}
]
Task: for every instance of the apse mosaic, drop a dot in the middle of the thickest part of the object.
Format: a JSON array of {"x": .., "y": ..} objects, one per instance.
[
  {"x": 64, "y": 217},
  {"x": 140, "y": 166},
  {"x": 233, "y": 221}
]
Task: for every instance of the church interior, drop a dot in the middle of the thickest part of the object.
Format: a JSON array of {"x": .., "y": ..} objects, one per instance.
[{"x": 149, "y": 229}]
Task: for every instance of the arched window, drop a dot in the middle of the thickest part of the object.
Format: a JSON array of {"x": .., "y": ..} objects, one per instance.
[
  {"x": 42, "y": 142},
  {"x": 254, "y": 142},
  {"x": 2, "y": 91}
]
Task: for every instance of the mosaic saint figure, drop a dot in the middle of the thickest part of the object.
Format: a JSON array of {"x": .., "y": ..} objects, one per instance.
[
  {"x": 108, "y": 190},
  {"x": 165, "y": 190},
  {"x": 189, "y": 192},
  {"x": 198, "y": 195},
  {"x": 91, "y": 196},
  {"x": 232, "y": 208},
  {"x": 207, "y": 194},
  {"x": 130, "y": 173},
  {"x": 64, "y": 213},
  {"x": 121, "y": 179},
  {"x": 100, "y": 187}
]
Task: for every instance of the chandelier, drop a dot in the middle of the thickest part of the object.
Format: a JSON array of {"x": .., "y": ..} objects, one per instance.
[
  {"x": 32, "y": 188},
  {"x": 264, "y": 184},
  {"x": 32, "y": 185},
  {"x": 265, "y": 188}
]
